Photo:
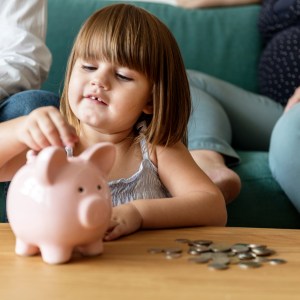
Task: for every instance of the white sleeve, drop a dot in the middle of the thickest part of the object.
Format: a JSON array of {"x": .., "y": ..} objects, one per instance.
[{"x": 24, "y": 58}]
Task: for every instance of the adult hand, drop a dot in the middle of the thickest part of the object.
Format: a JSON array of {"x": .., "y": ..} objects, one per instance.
[{"x": 294, "y": 99}]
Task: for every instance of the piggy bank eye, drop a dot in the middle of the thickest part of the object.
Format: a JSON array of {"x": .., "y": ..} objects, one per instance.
[
  {"x": 80, "y": 189},
  {"x": 98, "y": 187}
]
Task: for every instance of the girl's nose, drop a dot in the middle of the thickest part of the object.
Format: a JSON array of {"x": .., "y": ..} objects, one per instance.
[
  {"x": 100, "y": 82},
  {"x": 97, "y": 83},
  {"x": 100, "y": 78}
]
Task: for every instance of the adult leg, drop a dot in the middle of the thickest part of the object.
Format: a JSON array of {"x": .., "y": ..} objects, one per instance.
[
  {"x": 23, "y": 103},
  {"x": 209, "y": 141},
  {"x": 252, "y": 116},
  {"x": 284, "y": 154},
  {"x": 224, "y": 114}
]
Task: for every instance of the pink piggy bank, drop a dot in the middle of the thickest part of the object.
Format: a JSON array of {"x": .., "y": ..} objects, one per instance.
[{"x": 57, "y": 204}]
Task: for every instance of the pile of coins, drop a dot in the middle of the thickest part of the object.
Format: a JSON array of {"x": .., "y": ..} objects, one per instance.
[{"x": 220, "y": 256}]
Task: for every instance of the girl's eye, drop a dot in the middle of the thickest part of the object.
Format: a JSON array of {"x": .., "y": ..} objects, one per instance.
[
  {"x": 122, "y": 77},
  {"x": 88, "y": 68}
]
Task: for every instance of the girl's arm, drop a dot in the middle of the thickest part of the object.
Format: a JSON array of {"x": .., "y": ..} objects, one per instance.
[
  {"x": 43, "y": 127},
  {"x": 12, "y": 151},
  {"x": 196, "y": 200},
  {"x": 213, "y": 3}
]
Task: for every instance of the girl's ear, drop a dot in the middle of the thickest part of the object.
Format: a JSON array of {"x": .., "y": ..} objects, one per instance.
[{"x": 148, "y": 109}]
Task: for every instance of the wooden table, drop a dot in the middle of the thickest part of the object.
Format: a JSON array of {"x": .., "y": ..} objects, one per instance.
[{"x": 127, "y": 271}]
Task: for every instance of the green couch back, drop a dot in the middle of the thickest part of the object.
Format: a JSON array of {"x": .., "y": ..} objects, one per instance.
[{"x": 223, "y": 42}]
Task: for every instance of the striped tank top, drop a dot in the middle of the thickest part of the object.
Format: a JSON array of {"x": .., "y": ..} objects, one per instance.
[{"x": 144, "y": 184}]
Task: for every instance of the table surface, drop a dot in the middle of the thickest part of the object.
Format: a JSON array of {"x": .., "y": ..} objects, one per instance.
[{"x": 127, "y": 271}]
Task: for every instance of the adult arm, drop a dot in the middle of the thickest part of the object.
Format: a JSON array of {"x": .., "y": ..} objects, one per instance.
[
  {"x": 24, "y": 58},
  {"x": 213, "y": 3},
  {"x": 294, "y": 99}
]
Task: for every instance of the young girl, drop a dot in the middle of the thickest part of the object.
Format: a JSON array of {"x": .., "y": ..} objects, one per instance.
[{"x": 126, "y": 84}]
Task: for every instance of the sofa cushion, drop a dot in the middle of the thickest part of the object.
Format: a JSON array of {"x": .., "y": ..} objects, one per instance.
[{"x": 261, "y": 203}]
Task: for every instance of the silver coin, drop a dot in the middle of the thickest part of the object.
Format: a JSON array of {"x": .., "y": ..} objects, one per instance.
[
  {"x": 245, "y": 255},
  {"x": 207, "y": 255},
  {"x": 276, "y": 261},
  {"x": 230, "y": 254},
  {"x": 218, "y": 254},
  {"x": 252, "y": 246},
  {"x": 262, "y": 251},
  {"x": 260, "y": 259},
  {"x": 221, "y": 260},
  {"x": 193, "y": 251},
  {"x": 173, "y": 255},
  {"x": 201, "y": 248},
  {"x": 155, "y": 250},
  {"x": 173, "y": 250},
  {"x": 217, "y": 266},
  {"x": 199, "y": 259},
  {"x": 220, "y": 247},
  {"x": 202, "y": 242},
  {"x": 239, "y": 248},
  {"x": 249, "y": 264},
  {"x": 234, "y": 260}
]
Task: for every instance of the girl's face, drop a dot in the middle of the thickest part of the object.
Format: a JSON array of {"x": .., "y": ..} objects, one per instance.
[{"x": 107, "y": 97}]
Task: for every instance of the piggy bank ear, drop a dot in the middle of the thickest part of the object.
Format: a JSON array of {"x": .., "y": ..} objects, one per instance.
[
  {"x": 102, "y": 155},
  {"x": 49, "y": 162}
]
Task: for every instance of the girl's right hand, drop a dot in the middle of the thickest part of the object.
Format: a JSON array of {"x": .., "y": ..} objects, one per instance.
[{"x": 45, "y": 127}]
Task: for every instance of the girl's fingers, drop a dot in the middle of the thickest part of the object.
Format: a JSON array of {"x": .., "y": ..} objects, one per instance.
[
  {"x": 38, "y": 136},
  {"x": 30, "y": 142},
  {"x": 47, "y": 127},
  {"x": 65, "y": 132},
  {"x": 48, "y": 134},
  {"x": 114, "y": 234}
]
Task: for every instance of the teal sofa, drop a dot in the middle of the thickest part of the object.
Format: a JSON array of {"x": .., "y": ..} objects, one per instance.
[{"x": 223, "y": 42}]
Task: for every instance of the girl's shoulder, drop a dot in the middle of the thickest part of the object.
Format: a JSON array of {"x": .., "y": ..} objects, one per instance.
[{"x": 160, "y": 152}]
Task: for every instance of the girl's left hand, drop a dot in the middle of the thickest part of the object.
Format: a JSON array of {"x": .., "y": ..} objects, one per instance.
[{"x": 126, "y": 219}]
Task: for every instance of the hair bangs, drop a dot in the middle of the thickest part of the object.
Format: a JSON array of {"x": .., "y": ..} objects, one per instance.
[{"x": 118, "y": 38}]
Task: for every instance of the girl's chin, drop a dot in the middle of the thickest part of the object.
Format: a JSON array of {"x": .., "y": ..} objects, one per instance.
[{"x": 89, "y": 119}]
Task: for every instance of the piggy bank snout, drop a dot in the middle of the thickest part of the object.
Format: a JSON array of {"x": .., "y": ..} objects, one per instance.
[{"x": 93, "y": 212}]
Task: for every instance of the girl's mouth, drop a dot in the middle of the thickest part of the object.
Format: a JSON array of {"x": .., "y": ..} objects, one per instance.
[{"x": 99, "y": 100}]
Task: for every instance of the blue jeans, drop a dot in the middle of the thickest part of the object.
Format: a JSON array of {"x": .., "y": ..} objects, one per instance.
[
  {"x": 17, "y": 105},
  {"x": 23, "y": 103},
  {"x": 225, "y": 117},
  {"x": 284, "y": 159}
]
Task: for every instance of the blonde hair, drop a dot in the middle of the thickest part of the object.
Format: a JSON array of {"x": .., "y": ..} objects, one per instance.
[{"x": 132, "y": 37}]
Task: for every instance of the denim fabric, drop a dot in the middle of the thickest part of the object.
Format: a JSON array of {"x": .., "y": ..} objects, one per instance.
[
  {"x": 284, "y": 159},
  {"x": 225, "y": 117},
  {"x": 21, "y": 104}
]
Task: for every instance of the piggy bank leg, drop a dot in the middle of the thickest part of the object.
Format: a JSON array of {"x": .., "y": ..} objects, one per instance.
[
  {"x": 55, "y": 255},
  {"x": 91, "y": 249},
  {"x": 25, "y": 249}
]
